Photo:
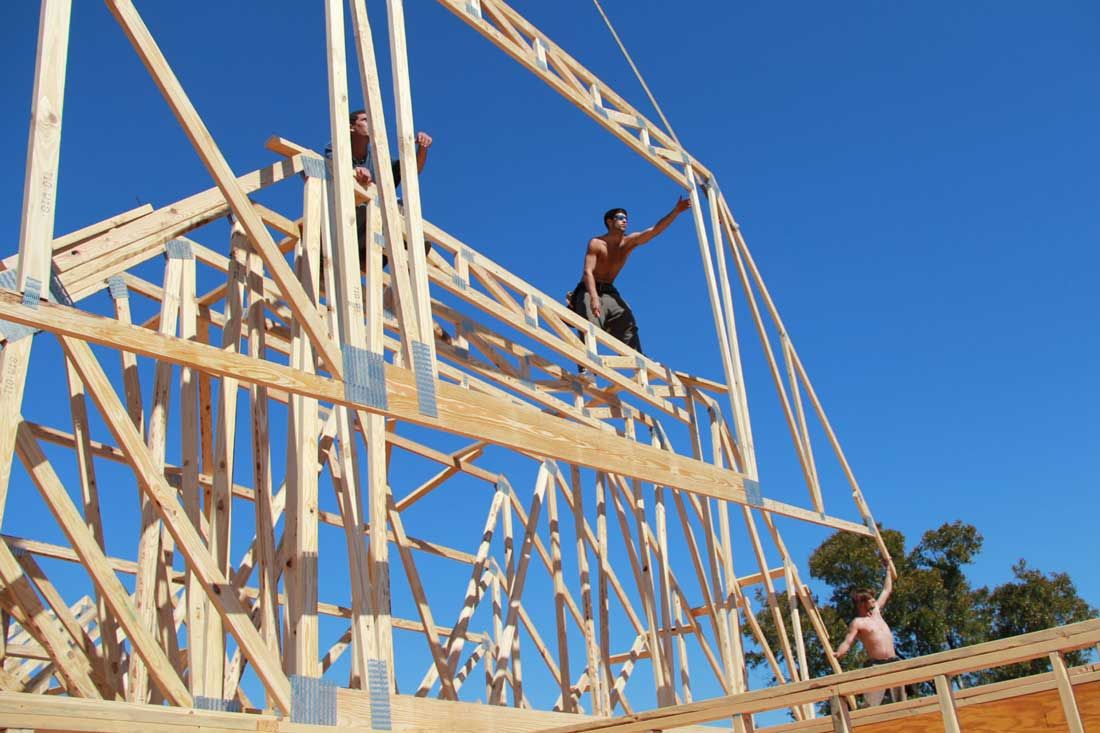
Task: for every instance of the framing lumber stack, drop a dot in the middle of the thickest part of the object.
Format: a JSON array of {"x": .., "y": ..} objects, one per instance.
[{"x": 317, "y": 378}]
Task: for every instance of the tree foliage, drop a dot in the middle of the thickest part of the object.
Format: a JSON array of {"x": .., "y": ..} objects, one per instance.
[
  {"x": 933, "y": 607},
  {"x": 1032, "y": 601}
]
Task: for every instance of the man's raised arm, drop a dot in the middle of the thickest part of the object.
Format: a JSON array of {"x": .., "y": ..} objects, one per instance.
[
  {"x": 637, "y": 239},
  {"x": 887, "y": 588},
  {"x": 423, "y": 142}
]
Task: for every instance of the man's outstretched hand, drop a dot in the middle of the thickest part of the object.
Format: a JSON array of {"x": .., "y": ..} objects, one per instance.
[
  {"x": 423, "y": 140},
  {"x": 682, "y": 205}
]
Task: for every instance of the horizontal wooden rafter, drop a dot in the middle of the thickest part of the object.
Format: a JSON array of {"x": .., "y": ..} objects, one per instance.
[
  {"x": 460, "y": 411},
  {"x": 956, "y": 661}
]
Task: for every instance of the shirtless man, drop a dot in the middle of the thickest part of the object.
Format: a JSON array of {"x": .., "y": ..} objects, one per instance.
[
  {"x": 595, "y": 297},
  {"x": 874, "y": 633}
]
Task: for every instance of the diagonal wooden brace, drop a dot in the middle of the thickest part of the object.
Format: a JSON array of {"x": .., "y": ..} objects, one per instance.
[{"x": 199, "y": 560}]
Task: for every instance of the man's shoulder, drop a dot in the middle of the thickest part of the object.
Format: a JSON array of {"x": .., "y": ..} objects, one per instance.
[{"x": 597, "y": 241}]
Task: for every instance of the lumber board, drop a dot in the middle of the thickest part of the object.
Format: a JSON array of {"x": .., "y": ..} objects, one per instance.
[
  {"x": 87, "y": 232},
  {"x": 409, "y": 714},
  {"x": 188, "y": 117},
  {"x": 461, "y": 411},
  {"x": 92, "y": 516},
  {"x": 410, "y": 183},
  {"x": 43, "y": 147},
  {"x": 163, "y": 498},
  {"x": 523, "y": 54},
  {"x": 113, "y": 251},
  {"x": 1028, "y": 703},
  {"x": 103, "y": 574},
  {"x": 956, "y": 661},
  {"x": 261, "y": 461},
  {"x": 355, "y": 334},
  {"x": 301, "y": 534},
  {"x": 54, "y": 713},
  {"x": 412, "y": 714},
  {"x": 23, "y": 603}
]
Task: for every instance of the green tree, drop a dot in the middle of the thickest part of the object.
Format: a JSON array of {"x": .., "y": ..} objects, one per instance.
[
  {"x": 1031, "y": 602},
  {"x": 933, "y": 607}
]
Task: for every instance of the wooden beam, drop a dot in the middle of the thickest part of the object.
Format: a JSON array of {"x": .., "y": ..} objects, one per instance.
[
  {"x": 740, "y": 249},
  {"x": 198, "y": 608},
  {"x": 952, "y": 662},
  {"x": 461, "y": 411},
  {"x": 739, "y": 403},
  {"x": 422, "y": 607},
  {"x": 379, "y": 497},
  {"x": 79, "y": 236},
  {"x": 1065, "y": 693},
  {"x": 149, "y": 542},
  {"x": 44, "y": 146},
  {"x": 947, "y": 705},
  {"x": 55, "y": 713},
  {"x": 99, "y": 568},
  {"x": 162, "y": 496},
  {"x": 717, "y": 618},
  {"x": 522, "y": 54},
  {"x": 410, "y": 186},
  {"x": 78, "y": 633},
  {"x": 597, "y": 675},
  {"x": 568, "y": 704},
  {"x": 37, "y": 219},
  {"x": 992, "y": 706},
  {"x": 465, "y": 454},
  {"x": 112, "y": 659},
  {"x": 343, "y": 467},
  {"x": 453, "y": 646},
  {"x": 84, "y": 268},
  {"x": 370, "y": 594},
  {"x": 405, "y": 301},
  {"x": 640, "y": 566},
  {"x": 301, "y": 647},
  {"x": 517, "y": 581},
  {"x": 21, "y": 600},
  {"x": 219, "y": 169},
  {"x": 261, "y": 462},
  {"x": 842, "y": 722}
]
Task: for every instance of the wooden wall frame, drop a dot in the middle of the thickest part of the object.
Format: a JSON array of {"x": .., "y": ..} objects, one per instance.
[{"x": 324, "y": 370}]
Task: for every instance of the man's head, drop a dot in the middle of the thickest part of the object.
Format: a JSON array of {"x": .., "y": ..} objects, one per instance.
[
  {"x": 358, "y": 123},
  {"x": 615, "y": 220},
  {"x": 864, "y": 600}
]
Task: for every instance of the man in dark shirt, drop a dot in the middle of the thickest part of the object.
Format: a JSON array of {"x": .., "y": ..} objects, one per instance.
[{"x": 365, "y": 173}]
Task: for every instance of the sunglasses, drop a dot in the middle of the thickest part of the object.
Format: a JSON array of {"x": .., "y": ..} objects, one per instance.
[{"x": 619, "y": 217}]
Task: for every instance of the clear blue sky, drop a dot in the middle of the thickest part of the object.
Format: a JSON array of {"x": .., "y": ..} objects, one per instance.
[{"x": 918, "y": 183}]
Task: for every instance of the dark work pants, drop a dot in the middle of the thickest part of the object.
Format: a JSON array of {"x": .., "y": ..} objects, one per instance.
[
  {"x": 615, "y": 317},
  {"x": 361, "y": 233}
]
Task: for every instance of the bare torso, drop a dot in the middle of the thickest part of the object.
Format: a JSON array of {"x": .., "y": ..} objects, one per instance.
[
  {"x": 875, "y": 635},
  {"x": 611, "y": 256}
]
